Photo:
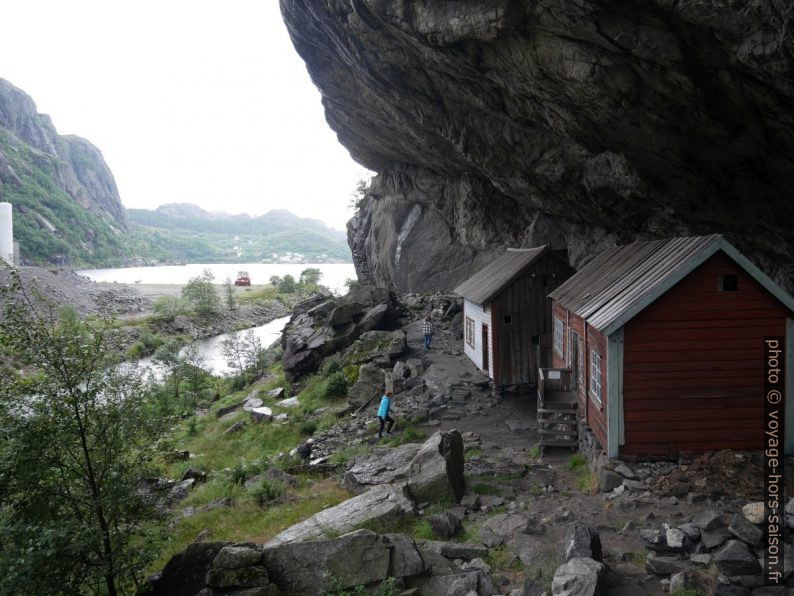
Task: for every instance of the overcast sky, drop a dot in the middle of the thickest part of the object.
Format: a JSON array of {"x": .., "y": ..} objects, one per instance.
[{"x": 188, "y": 100}]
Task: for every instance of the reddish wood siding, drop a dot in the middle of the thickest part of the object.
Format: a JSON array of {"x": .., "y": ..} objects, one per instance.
[
  {"x": 693, "y": 377},
  {"x": 595, "y": 415}
]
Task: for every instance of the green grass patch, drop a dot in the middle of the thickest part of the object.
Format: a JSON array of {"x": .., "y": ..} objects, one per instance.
[
  {"x": 348, "y": 453},
  {"x": 484, "y": 489},
  {"x": 472, "y": 452},
  {"x": 534, "y": 453},
  {"x": 247, "y": 521},
  {"x": 576, "y": 462},
  {"x": 501, "y": 559}
]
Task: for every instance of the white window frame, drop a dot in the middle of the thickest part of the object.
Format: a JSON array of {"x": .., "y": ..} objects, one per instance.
[
  {"x": 595, "y": 377},
  {"x": 470, "y": 341},
  {"x": 559, "y": 337}
]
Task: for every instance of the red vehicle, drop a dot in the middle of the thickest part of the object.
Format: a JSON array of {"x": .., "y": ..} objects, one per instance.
[{"x": 243, "y": 280}]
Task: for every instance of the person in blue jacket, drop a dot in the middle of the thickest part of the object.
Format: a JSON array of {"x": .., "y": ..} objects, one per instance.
[{"x": 383, "y": 414}]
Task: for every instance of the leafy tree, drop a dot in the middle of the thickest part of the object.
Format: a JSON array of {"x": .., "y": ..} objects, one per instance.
[
  {"x": 287, "y": 285},
  {"x": 168, "y": 357},
  {"x": 76, "y": 433},
  {"x": 229, "y": 293},
  {"x": 352, "y": 284},
  {"x": 242, "y": 273},
  {"x": 310, "y": 276},
  {"x": 242, "y": 351},
  {"x": 275, "y": 280},
  {"x": 201, "y": 294}
]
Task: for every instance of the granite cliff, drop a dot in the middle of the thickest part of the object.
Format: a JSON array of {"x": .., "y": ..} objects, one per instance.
[
  {"x": 67, "y": 207},
  {"x": 580, "y": 123}
]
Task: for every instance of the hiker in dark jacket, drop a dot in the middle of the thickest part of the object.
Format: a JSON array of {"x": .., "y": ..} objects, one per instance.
[{"x": 427, "y": 329}]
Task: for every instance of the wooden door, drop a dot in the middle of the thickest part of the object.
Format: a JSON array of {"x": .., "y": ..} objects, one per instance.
[{"x": 485, "y": 363}]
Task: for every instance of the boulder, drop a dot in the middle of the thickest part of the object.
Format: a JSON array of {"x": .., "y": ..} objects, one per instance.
[
  {"x": 386, "y": 503},
  {"x": 229, "y": 409},
  {"x": 400, "y": 370},
  {"x": 261, "y": 414},
  {"x": 290, "y": 402},
  {"x": 236, "y": 427},
  {"x": 368, "y": 385},
  {"x": 754, "y": 512},
  {"x": 734, "y": 558},
  {"x": 415, "y": 367},
  {"x": 358, "y": 558},
  {"x": 714, "y": 537},
  {"x": 675, "y": 538},
  {"x": 186, "y": 572},
  {"x": 458, "y": 550},
  {"x": 445, "y": 525},
  {"x": 382, "y": 466},
  {"x": 664, "y": 565},
  {"x": 252, "y": 401},
  {"x": 436, "y": 473},
  {"x": 197, "y": 475},
  {"x": 499, "y": 528},
  {"x": 238, "y": 566},
  {"x": 609, "y": 480},
  {"x": 277, "y": 393},
  {"x": 707, "y": 520},
  {"x": 579, "y": 577},
  {"x": 581, "y": 541},
  {"x": 745, "y": 531}
]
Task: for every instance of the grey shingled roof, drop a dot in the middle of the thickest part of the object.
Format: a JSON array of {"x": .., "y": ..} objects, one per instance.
[
  {"x": 484, "y": 285},
  {"x": 622, "y": 281}
]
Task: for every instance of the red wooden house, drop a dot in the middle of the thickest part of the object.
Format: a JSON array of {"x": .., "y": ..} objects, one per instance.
[{"x": 665, "y": 344}]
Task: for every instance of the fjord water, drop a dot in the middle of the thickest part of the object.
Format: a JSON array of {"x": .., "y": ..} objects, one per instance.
[
  {"x": 334, "y": 274},
  {"x": 212, "y": 350}
]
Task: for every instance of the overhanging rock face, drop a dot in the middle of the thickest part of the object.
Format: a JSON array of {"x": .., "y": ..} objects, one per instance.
[{"x": 580, "y": 124}]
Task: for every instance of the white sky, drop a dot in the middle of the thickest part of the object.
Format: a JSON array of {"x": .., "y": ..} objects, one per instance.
[{"x": 188, "y": 100}]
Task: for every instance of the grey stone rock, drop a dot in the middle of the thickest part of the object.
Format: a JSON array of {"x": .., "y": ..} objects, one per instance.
[
  {"x": 415, "y": 367},
  {"x": 678, "y": 581},
  {"x": 454, "y": 584},
  {"x": 625, "y": 471},
  {"x": 290, "y": 402},
  {"x": 675, "y": 538},
  {"x": 369, "y": 384},
  {"x": 664, "y": 565},
  {"x": 229, "y": 409},
  {"x": 745, "y": 531},
  {"x": 653, "y": 537},
  {"x": 581, "y": 542},
  {"x": 252, "y": 401},
  {"x": 386, "y": 503},
  {"x": 186, "y": 572},
  {"x": 579, "y": 577},
  {"x": 197, "y": 475},
  {"x": 382, "y": 466},
  {"x": 734, "y": 558},
  {"x": 277, "y": 393},
  {"x": 608, "y": 481},
  {"x": 499, "y": 528},
  {"x": 436, "y": 472},
  {"x": 261, "y": 414},
  {"x": 358, "y": 558},
  {"x": 445, "y": 525},
  {"x": 236, "y": 427},
  {"x": 463, "y": 550},
  {"x": 754, "y": 512},
  {"x": 708, "y": 520},
  {"x": 714, "y": 537},
  {"x": 238, "y": 567},
  {"x": 701, "y": 559}
]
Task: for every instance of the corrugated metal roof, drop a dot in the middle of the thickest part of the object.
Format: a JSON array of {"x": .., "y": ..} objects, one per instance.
[
  {"x": 621, "y": 281},
  {"x": 484, "y": 285}
]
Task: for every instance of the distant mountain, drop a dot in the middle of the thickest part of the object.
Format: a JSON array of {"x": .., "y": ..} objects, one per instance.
[
  {"x": 183, "y": 232},
  {"x": 66, "y": 205}
]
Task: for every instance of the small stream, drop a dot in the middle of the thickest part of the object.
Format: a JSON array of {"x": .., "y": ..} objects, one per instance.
[{"x": 210, "y": 348}]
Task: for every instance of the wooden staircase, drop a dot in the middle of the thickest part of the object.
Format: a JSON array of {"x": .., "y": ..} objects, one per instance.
[{"x": 557, "y": 417}]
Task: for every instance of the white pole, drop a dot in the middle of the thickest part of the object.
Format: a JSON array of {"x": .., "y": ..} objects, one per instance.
[{"x": 6, "y": 234}]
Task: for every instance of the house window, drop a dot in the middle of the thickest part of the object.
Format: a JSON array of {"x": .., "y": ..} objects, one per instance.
[
  {"x": 595, "y": 377},
  {"x": 728, "y": 283},
  {"x": 508, "y": 319},
  {"x": 559, "y": 335},
  {"x": 470, "y": 331},
  {"x": 580, "y": 361}
]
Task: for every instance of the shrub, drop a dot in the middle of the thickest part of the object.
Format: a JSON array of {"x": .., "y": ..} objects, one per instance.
[
  {"x": 200, "y": 293},
  {"x": 308, "y": 428},
  {"x": 239, "y": 473},
  {"x": 268, "y": 491},
  {"x": 336, "y": 386},
  {"x": 351, "y": 374},
  {"x": 167, "y": 308}
]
